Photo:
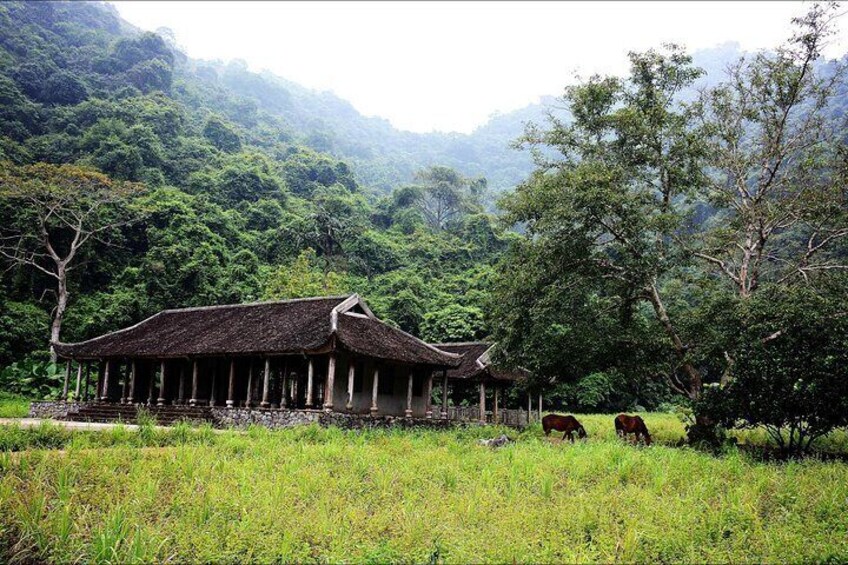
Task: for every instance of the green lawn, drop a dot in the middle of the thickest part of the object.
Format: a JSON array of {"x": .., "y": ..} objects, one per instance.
[
  {"x": 310, "y": 494},
  {"x": 13, "y": 406}
]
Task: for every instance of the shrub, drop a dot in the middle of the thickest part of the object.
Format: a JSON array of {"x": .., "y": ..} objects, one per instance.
[{"x": 790, "y": 376}]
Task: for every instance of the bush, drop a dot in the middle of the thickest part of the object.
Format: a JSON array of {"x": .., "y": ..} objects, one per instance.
[{"x": 790, "y": 376}]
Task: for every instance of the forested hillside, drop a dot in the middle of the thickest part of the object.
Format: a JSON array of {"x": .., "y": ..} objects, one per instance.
[
  {"x": 135, "y": 179},
  {"x": 223, "y": 201}
]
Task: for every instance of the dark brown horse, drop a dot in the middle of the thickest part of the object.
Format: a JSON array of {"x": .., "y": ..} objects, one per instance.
[
  {"x": 566, "y": 424},
  {"x": 625, "y": 424}
]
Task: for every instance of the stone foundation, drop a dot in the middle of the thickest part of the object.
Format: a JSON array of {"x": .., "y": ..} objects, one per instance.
[
  {"x": 243, "y": 417},
  {"x": 55, "y": 409}
]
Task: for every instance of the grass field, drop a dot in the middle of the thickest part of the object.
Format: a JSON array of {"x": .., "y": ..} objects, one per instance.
[
  {"x": 311, "y": 494},
  {"x": 13, "y": 406}
]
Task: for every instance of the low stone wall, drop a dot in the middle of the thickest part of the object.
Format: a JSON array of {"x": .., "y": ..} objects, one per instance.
[
  {"x": 55, "y": 409},
  {"x": 274, "y": 419},
  {"x": 243, "y": 417},
  {"x": 366, "y": 421}
]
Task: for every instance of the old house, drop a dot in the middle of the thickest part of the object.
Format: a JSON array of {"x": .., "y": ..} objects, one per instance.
[{"x": 329, "y": 354}]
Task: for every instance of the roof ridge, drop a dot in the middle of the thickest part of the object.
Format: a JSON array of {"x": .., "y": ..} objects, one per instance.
[
  {"x": 258, "y": 303},
  {"x": 488, "y": 343}
]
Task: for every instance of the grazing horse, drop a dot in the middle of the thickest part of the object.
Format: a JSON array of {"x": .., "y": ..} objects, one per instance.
[
  {"x": 567, "y": 424},
  {"x": 625, "y": 424}
]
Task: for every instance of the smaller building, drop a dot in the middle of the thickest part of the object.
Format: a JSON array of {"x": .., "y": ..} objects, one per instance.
[{"x": 478, "y": 370}]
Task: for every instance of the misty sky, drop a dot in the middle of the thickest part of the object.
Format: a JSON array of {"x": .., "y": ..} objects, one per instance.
[{"x": 448, "y": 65}]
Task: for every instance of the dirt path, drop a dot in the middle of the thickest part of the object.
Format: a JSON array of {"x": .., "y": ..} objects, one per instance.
[{"x": 95, "y": 426}]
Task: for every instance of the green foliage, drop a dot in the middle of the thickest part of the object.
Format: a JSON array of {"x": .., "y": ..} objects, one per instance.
[
  {"x": 789, "y": 373},
  {"x": 303, "y": 278},
  {"x": 22, "y": 329},
  {"x": 453, "y": 323},
  {"x": 32, "y": 377}
]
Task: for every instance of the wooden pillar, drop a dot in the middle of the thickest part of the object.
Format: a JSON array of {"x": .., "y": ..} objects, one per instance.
[
  {"x": 374, "y": 388},
  {"x": 445, "y": 394},
  {"x": 231, "y": 389},
  {"x": 194, "y": 381},
  {"x": 529, "y": 408},
  {"x": 181, "y": 392},
  {"x": 151, "y": 387},
  {"x": 266, "y": 383},
  {"x": 540, "y": 406},
  {"x": 248, "y": 396},
  {"x": 331, "y": 382},
  {"x": 428, "y": 393},
  {"x": 67, "y": 379},
  {"x": 408, "y": 411},
  {"x": 284, "y": 384},
  {"x": 104, "y": 394},
  {"x": 87, "y": 394},
  {"x": 495, "y": 407},
  {"x": 214, "y": 382},
  {"x": 161, "y": 400},
  {"x": 125, "y": 383},
  {"x": 78, "y": 388},
  {"x": 351, "y": 374},
  {"x": 131, "y": 393},
  {"x": 482, "y": 402},
  {"x": 310, "y": 375}
]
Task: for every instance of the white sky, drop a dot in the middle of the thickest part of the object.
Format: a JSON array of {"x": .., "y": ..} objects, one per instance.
[{"x": 447, "y": 66}]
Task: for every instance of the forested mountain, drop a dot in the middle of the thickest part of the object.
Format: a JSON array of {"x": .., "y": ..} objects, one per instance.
[
  {"x": 134, "y": 178},
  {"x": 221, "y": 199}
]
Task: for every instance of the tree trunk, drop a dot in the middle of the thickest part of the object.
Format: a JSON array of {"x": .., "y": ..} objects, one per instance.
[
  {"x": 693, "y": 389},
  {"x": 59, "y": 316}
]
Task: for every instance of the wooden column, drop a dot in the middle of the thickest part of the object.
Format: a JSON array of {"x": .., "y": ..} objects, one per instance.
[
  {"x": 194, "y": 381},
  {"x": 67, "y": 380},
  {"x": 310, "y": 375},
  {"x": 331, "y": 382},
  {"x": 104, "y": 394},
  {"x": 181, "y": 392},
  {"x": 374, "y": 388},
  {"x": 161, "y": 400},
  {"x": 482, "y": 402},
  {"x": 495, "y": 408},
  {"x": 231, "y": 389},
  {"x": 266, "y": 383},
  {"x": 408, "y": 411},
  {"x": 445, "y": 394},
  {"x": 214, "y": 382},
  {"x": 151, "y": 387},
  {"x": 78, "y": 388},
  {"x": 428, "y": 394},
  {"x": 248, "y": 396},
  {"x": 131, "y": 393},
  {"x": 125, "y": 385},
  {"x": 540, "y": 406},
  {"x": 529, "y": 408},
  {"x": 284, "y": 389},
  {"x": 87, "y": 394},
  {"x": 351, "y": 374}
]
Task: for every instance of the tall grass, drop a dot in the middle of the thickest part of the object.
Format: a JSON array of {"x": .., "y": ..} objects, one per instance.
[{"x": 312, "y": 494}]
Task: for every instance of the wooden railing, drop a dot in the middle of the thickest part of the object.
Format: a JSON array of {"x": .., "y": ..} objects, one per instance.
[{"x": 507, "y": 417}]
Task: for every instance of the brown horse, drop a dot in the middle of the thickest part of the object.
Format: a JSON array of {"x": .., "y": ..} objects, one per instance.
[
  {"x": 625, "y": 424},
  {"x": 566, "y": 424}
]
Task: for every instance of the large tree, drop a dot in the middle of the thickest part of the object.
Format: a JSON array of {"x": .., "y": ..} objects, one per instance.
[
  {"x": 672, "y": 213},
  {"x": 50, "y": 213}
]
